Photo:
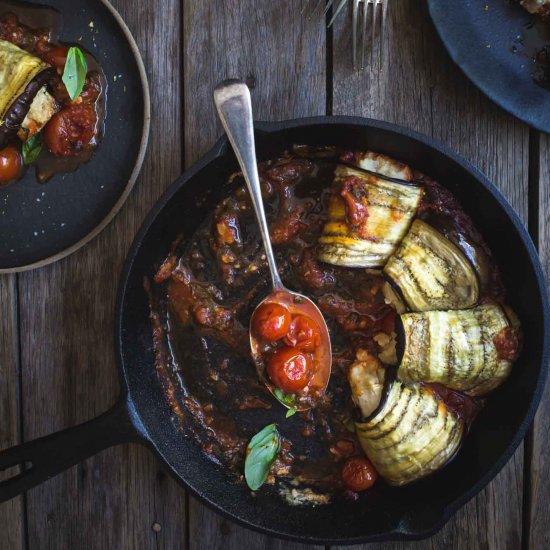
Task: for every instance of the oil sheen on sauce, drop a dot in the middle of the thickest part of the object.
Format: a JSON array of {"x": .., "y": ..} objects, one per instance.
[{"x": 206, "y": 371}]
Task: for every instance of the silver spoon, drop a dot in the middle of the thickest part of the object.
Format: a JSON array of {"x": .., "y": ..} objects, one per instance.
[{"x": 232, "y": 99}]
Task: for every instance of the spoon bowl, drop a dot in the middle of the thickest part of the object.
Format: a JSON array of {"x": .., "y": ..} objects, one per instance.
[{"x": 297, "y": 304}]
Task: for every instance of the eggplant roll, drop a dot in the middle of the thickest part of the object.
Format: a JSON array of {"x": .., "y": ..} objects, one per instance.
[
  {"x": 22, "y": 77},
  {"x": 411, "y": 435},
  {"x": 456, "y": 348},
  {"x": 367, "y": 218},
  {"x": 431, "y": 272}
]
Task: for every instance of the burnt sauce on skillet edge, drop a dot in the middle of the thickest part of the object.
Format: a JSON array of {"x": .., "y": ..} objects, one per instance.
[{"x": 204, "y": 292}]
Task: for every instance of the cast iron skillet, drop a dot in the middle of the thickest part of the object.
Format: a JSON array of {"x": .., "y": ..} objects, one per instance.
[
  {"x": 142, "y": 414},
  {"x": 487, "y": 41},
  {"x": 41, "y": 223}
]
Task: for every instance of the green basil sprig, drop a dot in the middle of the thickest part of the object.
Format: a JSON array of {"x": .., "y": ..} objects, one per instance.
[
  {"x": 74, "y": 74},
  {"x": 260, "y": 455},
  {"x": 32, "y": 148},
  {"x": 288, "y": 399}
]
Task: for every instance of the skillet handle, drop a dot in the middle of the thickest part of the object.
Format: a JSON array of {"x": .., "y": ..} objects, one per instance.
[{"x": 44, "y": 458}]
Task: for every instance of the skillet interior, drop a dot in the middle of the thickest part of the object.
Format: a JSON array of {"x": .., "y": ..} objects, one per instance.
[{"x": 410, "y": 512}]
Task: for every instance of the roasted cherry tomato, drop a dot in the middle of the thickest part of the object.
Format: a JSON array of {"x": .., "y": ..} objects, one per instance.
[
  {"x": 303, "y": 334},
  {"x": 56, "y": 56},
  {"x": 358, "y": 473},
  {"x": 289, "y": 369},
  {"x": 71, "y": 130},
  {"x": 10, "y": 164},
  {"x": 271, "y": 321}
]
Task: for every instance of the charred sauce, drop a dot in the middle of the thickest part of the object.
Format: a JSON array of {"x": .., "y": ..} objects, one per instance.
[
  {"x": 37, "y": 30},
  {"x": 207, "y": 288}
]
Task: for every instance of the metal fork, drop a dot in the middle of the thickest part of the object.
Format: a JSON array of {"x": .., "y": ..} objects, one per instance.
[
  {"x": 361, "y": 14},
  {"x": 360, "y": 22}
]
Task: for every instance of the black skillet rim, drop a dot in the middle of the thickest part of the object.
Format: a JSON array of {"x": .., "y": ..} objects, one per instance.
[
  {"x": 269, "y": 127},
  {"x": 137, "y": 166},
  {"x": 458, "y": 51}
]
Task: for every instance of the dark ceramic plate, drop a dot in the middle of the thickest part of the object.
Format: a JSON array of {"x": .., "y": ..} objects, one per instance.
[
  {"x": 493, "y": 42},
  {"x": 41, "y": 223}
]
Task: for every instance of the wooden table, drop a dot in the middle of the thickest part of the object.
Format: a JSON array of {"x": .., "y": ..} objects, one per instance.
[{"x": 57, "y": 365}]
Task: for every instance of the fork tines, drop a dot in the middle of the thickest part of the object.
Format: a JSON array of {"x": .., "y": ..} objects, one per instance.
[{"x": 368, "y": 17}]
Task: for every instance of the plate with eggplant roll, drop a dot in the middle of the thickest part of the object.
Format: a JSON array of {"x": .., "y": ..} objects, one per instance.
[{"x": 74, "y": 113}]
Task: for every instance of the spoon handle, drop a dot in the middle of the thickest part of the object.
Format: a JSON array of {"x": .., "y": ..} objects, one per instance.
[{"x": 232, "y": 99}]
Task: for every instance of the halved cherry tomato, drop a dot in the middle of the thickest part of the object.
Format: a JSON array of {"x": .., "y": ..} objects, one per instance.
[
  {"x": 56, "y": 56},
  {"x": 358, "y": 473},
  {"x": 289, "y": 369},
  {"x": 303, "y": 334},
  {"x": 10, "y": 164},
  {"x": 271, "y": 321},
  {"x": 71, "y": 130}
]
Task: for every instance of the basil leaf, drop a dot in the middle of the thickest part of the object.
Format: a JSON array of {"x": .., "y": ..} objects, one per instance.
[
  {"x": 290, "y": 412},
  {"x": 32, "y": 148},
  {"x": 74, "y": 74},
  {"x": 287, "y": 399},
  {"x": 260, "y": 454}
]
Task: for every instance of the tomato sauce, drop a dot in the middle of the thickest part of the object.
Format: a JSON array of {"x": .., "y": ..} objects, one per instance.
[{"x": 203, "y": 298}]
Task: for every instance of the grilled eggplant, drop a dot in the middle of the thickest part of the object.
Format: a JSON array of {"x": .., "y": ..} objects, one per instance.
[
  {"x": 431, "y": 272},
  {"x": 411, "y": 435},
  {"x": 367, "y": 218},
  {"x": 407, "y": 432},
  {"x": 460, "y": 349},
  {"x": 22, "y": 77}
]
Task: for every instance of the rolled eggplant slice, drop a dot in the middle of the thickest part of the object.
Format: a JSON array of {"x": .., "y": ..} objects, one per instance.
[
  {"x": 22, "y": 76},
  {"x": 367, "y": 218},
  {"x": 431, "y": 272},
  {"x": 411, "y": 435},
  {"x": 459, "y": 349}
]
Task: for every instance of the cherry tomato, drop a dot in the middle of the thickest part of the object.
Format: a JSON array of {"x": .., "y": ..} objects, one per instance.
[
  {"x": 303, "y": 334},
  {"x": 71, "y": 130},
  {"x": 289, "y": 369},
  {"x": 358, "y": 473},
  {"x": 56, "y": 56},
  {"x": 10, "y": 164},
  {"x": 271, "y": 321}
]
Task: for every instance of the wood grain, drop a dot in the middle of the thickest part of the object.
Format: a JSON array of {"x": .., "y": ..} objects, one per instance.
[
  {"x": 419, "y": 87},
  {"x": 282, "y": 57},
  {"x": 68, "y": 364},
  {"x": 539, "y": 489},
  {"x": 11, "y": 512},
  {"x": 121, "y": 498}
]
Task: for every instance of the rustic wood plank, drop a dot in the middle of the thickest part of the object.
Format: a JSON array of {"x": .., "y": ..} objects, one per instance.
[
  {"x": 282, "y": 56},
  {"x": 11, "y": 512},
  {"x": 539, "y": 506},
  {"x": 421, "y": 88},
  {"x": 68, "y": 364}
]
